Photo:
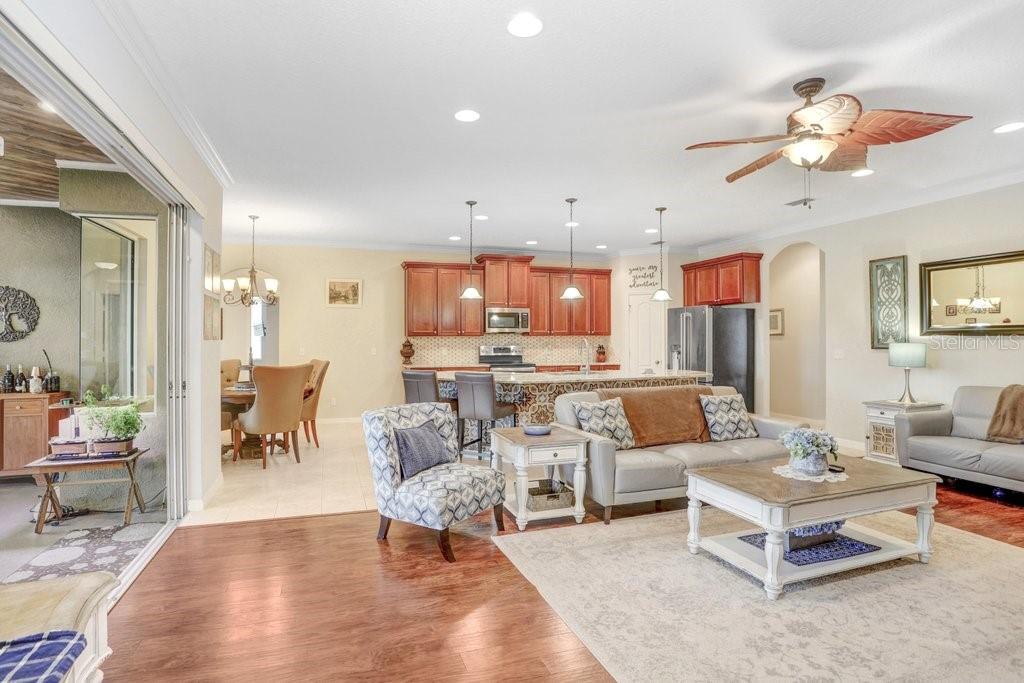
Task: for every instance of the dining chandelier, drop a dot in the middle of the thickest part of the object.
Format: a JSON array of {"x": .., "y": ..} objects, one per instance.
[{"x": 249, "y": 292}]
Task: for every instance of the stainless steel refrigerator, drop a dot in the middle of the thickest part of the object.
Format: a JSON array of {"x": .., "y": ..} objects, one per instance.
[{"x": 717, "y": 340}]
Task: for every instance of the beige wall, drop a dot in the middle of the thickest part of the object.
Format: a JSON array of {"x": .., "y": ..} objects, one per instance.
[
  {"x": 982, "y": 223},
  {"x": 40, "y": 253},
  {"x": 363, "y": 343},
  {"x": 798, "y": 355}
]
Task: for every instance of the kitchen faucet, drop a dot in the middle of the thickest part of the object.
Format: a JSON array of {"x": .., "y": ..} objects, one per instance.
[{"x": 584, "y": 348}]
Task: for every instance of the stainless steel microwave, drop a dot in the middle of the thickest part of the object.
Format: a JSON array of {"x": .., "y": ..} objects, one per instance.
[{"x": 507, "y": 320}]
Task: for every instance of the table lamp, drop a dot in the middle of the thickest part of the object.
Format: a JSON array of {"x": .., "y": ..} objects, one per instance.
[{"x": 908, "y": 355}]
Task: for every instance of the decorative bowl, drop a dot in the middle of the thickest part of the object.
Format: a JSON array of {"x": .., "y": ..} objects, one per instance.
[{"x": 536, "y": 430}]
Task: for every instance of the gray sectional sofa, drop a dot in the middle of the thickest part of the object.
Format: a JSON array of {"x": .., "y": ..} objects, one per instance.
[
  {"x": 659, "y": 472},
  {"x": 951, "y": 442}
]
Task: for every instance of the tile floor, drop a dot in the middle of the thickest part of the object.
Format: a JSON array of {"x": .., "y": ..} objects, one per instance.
[{"x": 332, "y": 478}]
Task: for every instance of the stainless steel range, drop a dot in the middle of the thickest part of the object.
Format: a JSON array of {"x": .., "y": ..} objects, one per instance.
[{"x": 505, "y": 359}]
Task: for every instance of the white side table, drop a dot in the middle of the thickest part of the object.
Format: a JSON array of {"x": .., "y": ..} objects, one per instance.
[
  {"x": 560, "y": 447},
  {"x": 881, "y": 427}
]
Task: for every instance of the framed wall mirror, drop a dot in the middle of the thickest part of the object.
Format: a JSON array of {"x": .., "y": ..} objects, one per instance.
[{"x": 975, "y": 295}]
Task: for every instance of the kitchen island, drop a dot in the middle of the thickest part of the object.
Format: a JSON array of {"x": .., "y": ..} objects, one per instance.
[{"x": 534, "y": 393}]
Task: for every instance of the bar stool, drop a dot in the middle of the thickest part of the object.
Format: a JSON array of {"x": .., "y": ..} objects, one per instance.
[
  {"x": 421, "y": 387},
  {"x": 478, "y": 401}
]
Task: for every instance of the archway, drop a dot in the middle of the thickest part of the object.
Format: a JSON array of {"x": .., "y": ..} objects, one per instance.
[{"x": 797, "y": 333}]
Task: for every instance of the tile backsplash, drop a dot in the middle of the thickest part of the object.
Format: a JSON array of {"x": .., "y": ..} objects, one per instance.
[{"x": 437, "y": 351}]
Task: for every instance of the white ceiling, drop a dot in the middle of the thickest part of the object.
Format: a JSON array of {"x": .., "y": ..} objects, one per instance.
[{"x": 334, "y": 119}]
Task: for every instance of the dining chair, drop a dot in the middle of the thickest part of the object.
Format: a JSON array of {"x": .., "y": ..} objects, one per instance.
[
  {"x": 230, "y": 369},
  {"x": 278, "y": 405},
  {"x": 311, "y": 402}
]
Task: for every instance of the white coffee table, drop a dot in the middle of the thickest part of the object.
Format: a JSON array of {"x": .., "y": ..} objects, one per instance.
[{"x": 751, "y": 491}]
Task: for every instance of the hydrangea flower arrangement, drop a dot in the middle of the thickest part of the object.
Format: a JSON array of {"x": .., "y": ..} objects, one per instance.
[{"x": 803, "y": 442}]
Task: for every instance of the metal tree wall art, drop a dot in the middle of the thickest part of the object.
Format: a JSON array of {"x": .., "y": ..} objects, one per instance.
[{"x": 17, "y": 305}]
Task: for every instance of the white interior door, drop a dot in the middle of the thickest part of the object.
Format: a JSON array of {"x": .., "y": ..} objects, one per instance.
[{"x": 645, "y": 336}]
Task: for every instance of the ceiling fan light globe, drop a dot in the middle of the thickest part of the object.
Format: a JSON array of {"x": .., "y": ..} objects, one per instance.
[
  {"x": 862, "y": 172},
  {"x": 811, "y": 151}
]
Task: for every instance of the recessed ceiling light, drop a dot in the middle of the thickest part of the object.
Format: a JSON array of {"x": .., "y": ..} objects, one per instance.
[
  {"x": 480, "y": 218},
  {"x": 862, "y": 172},
  {"x": 601, "y": 246},
  {"x": 455, "y": 238},
  {"x": 572, "y": 224},
  {"x": 651, "y": 231},
  {"x": 531, "y": 242},
  {"x": 46, "y": 106},
  {"x": 525, "y": 25},
  {"x": 467, "y": 115},
  {"x": 1008, "y": 127},
  {"x": 106, "y": 265}
]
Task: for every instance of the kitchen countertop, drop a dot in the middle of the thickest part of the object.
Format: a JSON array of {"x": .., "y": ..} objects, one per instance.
[{"x": 557, "y": 377}]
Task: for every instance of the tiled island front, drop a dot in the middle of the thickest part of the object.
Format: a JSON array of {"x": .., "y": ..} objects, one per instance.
[{"x": 534, "y": 393}]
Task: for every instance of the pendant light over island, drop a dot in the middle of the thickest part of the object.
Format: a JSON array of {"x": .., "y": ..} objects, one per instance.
[
  {"x": 471, "y": 292},
  {"x": 662, "y": 293},
  {"x": 572, "y": 292}
]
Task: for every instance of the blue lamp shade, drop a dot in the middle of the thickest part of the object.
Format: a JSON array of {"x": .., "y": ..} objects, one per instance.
[{"x": 908, "y": 355}]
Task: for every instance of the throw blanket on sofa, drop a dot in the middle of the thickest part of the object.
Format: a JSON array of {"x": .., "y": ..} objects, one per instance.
[
  {"x": 662, "y": 415},
  {"x": 40, "y": 658},
  {"x": 1007, "y": 425}
]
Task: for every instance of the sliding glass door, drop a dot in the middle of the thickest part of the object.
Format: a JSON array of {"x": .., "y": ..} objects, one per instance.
[{"x": 108, "y": 309}]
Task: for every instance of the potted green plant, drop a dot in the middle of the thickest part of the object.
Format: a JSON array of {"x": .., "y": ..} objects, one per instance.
[{"x": 119, "y": 424}]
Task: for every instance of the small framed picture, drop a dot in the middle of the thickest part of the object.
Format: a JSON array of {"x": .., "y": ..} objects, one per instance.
[
  {"x": 951, "y": 311},
  {"x": 776, "y": 322},
  {"x": 345, "y": 293}
]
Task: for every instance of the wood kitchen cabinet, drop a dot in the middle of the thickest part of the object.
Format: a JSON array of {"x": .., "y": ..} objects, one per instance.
[
  {"x": 26, "y": 425},
  {"x": 420, "y": 299},
  {"x": 506, "y": 280},
  {"x": 552, "y": 315},
  {"x": 732, "y": 279},
  {"x": 432, "y": 303},
  {"x": 540, "y": 303},
  {"x": 433, "y": 307},
  {"x": 601, "y": 304}
]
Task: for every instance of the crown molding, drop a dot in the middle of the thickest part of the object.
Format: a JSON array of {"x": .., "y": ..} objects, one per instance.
[
  {"x": 126, "y": 26},
  {"x": 38, "y": 203},
  {"x": 109, "y": 167}
]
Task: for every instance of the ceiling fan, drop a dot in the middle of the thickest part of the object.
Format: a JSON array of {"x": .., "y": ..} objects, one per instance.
[{"x": 834, "y": 134}]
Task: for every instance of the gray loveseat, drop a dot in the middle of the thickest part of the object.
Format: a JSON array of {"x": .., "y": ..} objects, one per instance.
[
  {"x": 659, "y": 472},
  {"x": 951, "y": 442}
]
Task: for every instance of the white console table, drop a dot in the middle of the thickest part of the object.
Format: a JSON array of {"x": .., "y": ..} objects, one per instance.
[{"x": 881, "y": 427}]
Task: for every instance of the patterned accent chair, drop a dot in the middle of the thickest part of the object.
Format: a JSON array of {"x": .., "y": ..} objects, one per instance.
[{"x": 435, "y": 498}]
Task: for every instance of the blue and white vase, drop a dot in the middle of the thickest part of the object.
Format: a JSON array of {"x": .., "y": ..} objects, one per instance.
[{"x": 814, "y": 464}]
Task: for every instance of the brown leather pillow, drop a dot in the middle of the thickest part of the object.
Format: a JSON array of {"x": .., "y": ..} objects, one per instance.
[{"x": 663, "y": 415}]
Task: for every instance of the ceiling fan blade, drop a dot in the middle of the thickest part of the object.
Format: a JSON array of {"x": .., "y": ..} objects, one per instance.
[
  {"x": 848, "y": 156},
  {"x": 742, "y": 141},
  {"x": 888, "y": 126},
  {"x": 835, "y": 114},
  {"x": 755, "y": 165}
]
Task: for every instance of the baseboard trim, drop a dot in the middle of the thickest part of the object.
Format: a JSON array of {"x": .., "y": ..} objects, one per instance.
[
  {"x": 339, "y": 420},
  {"x": 197, "y": 504},
  {"x": 852, "y": 447}
]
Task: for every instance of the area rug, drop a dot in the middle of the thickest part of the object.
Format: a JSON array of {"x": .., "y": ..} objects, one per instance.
[
  {"x": 107, "y": 548},
  {"x": 650, "y": 611}
]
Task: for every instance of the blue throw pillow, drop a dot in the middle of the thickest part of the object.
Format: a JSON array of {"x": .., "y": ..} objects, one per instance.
[{"x": 420, "y": 448}]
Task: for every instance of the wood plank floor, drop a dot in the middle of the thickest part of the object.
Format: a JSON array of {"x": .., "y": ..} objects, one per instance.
[{"x": 317, "y": 598}]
